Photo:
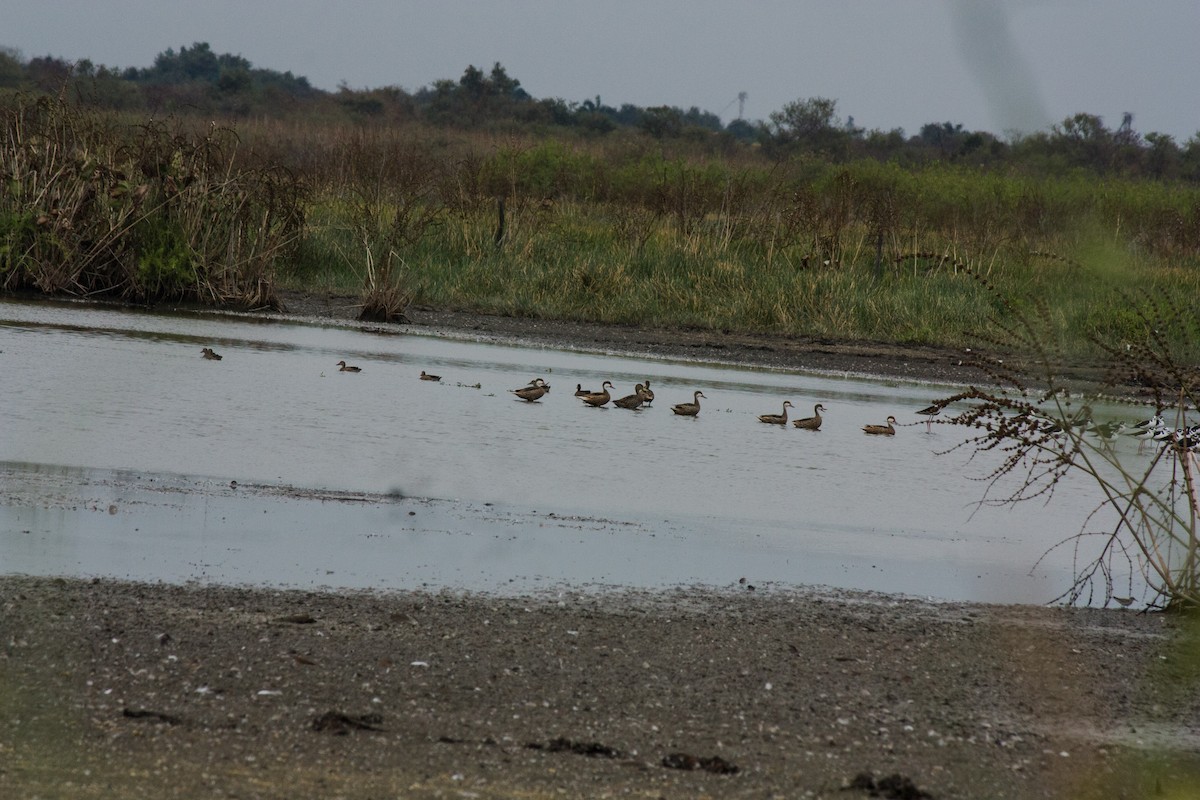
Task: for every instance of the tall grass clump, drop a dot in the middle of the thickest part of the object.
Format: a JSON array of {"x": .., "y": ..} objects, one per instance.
[
  {"x": 142, "y": 212},
  {"x": 1042, "y": 429}
]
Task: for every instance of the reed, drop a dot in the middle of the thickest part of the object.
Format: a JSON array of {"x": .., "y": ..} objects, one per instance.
[{"x": 1042, "y": 428}]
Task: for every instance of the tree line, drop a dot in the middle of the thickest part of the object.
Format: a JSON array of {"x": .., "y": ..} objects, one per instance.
[{"x": 196, "y": 80}]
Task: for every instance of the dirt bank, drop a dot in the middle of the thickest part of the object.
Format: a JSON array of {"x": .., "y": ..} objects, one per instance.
[
  {"x": 806, "y": 353},
  {"x": 110, "y": 689}
]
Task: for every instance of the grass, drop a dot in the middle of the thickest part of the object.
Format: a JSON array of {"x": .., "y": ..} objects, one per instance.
[
  {"x": 582, "y": 261},
  {"x": 626, "y": 230}
]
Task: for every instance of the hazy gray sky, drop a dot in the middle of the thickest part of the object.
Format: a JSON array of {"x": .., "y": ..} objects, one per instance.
[{"x": 989, "y": 65}]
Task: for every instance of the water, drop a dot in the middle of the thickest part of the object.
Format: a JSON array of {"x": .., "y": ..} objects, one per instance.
[{"x": 118, "y": 445}]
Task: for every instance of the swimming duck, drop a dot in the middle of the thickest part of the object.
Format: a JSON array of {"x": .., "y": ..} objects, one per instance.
[
  {"x": 882, "y": 430},
  {"x": 580, "y": 391},
  {"x": 344, "y": 367},
  {"x": 689, "y": 409},
  {"x": 427, "y": 377},
  {"x": 777, "y": 419},
  {"x": 533, "y": 392},
  {"x": 599, "y": 398},
  {"x": 647, "y": 395},
  {"x": 812, "y": 423},
  {"x": 632, "y": 401},
  {"x": 208, "y": 353}
]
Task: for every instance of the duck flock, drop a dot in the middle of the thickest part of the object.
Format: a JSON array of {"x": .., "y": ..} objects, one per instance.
[
  {"x": 643, "y": 396},
  {"x": 1153, "y": 429}
]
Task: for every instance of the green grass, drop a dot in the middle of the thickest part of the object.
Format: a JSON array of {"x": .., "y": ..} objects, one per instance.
[
  {"x": 580, "y": 261},
  {"x": 620, "y": 231}
]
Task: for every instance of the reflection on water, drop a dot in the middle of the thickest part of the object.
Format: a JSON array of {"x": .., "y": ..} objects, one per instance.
[{"x": 104, "y": 407}]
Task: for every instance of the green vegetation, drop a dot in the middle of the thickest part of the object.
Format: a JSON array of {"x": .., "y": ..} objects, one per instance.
[{"x": 473, "y": 195}]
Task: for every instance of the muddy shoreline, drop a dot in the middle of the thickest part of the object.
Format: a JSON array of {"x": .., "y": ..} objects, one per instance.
[
  {"x": 131, "y": 690},
  {"x": 920, "y": 363}
]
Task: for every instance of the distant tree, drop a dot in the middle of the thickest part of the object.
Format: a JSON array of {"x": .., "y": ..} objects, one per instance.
[
  {"x": 662, "y": 122},
  {"x": 744, "y": 131},
  {"x": 1084, "y": 141},
  {"x": 813, "y": 125},
  {"x": 48, "y": 73},
  {"x": 473, "y": 83},
  {"x": 195, "y": 64},
  {"x": 883, "y": 145},
  {"x": 105, "y": 88},
  {"x": 805, "y": 120},
  {"x": 946, "y": 138},
  {"x": 504, "y": 86},
  {"x": 1189, "y": 159},
  {"x": 701, "y": 119},
  {"x": 1163, "y": 158},
  {"x": 234, "y": 81},
  {"x": 12, "y": 71}
]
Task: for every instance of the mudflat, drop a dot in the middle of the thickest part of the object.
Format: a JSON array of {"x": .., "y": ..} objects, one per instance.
[{"x": 111, "y": 689}]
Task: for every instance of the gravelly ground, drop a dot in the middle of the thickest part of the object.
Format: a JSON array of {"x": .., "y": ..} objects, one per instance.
[{"x": 109, "y": 689}]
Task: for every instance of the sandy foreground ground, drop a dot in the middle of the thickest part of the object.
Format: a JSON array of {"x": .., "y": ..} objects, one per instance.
[{"x": 111, "y": 689}]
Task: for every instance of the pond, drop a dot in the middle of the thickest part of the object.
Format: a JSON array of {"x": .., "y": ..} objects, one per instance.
[{"x": 124, "y": 453}]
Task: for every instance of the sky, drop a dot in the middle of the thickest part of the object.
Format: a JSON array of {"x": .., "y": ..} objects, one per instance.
[{"x": 996, "y": 65}]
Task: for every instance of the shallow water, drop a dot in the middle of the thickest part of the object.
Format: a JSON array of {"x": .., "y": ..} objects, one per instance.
[{"x": 119, "y": 443}]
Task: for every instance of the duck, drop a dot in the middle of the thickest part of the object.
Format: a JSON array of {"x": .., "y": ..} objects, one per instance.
[
  {"x": 599, "y": 398},
  {"x": 632, "y": 401},
  {"x": 535, "y": 391},
  {"x": 208, "y": 353},
  {"x": 882, "y": 430},
  {"x": 812, "y": 423},
  {"x": 344, "y": 367},
  {"x": 580, "y": 391},
  {"x": 777, "y": 419},
  {"x": 647, "y": 395},
  {"x": 689, "y": 409},
  {"x": 427, "y": 377}
]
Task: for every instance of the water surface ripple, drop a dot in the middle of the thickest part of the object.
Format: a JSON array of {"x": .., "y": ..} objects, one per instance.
[{"x": 119, "y": 443}]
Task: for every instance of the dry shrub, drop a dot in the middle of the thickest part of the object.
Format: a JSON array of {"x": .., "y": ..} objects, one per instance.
[
  {"x": 142, "y": 213},
  {"x": 1042, "y": 428}
]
